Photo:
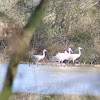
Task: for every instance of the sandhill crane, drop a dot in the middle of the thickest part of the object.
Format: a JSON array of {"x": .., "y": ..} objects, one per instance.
[
  {"x": 60, "y": 57},
  {"x": 37, "y": 58},
  {"x": 73, "y": 57},
  {"x": 68, "y": 55}
]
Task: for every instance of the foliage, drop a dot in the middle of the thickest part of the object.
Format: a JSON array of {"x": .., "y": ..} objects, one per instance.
[
  {"x": 65, "y": 24},
  {"x": 70, "y": 24}
]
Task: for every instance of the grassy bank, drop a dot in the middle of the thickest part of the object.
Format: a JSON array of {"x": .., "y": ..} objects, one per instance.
[{"x": 30, "y": 96}]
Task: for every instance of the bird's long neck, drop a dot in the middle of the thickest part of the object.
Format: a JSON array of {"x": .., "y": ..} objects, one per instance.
[
  {"x": 79, "y": 52},
  {"x": 69, "y": 51},
  {"x": 65, "y": 52},
  {"x": 43, "y": 54}
]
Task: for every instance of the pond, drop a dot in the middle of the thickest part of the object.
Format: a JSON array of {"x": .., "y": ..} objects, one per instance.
[{"x": 48, "y": 79}]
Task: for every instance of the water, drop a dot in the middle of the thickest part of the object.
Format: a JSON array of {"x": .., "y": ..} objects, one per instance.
[
  {"x": 3, "y": 71},
  {"x": 46, "y": 79}
]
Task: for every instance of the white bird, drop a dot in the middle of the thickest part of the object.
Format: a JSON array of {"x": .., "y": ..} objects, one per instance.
[
  {"x": 73, "y": 57},
  {"x": 37, "y": 58},
  {"x": 68, "y": 54},
  {"x": 60, "y": 57}
]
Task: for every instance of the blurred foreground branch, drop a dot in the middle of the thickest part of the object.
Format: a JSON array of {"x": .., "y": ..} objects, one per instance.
[{"x": 20, "y": 46}]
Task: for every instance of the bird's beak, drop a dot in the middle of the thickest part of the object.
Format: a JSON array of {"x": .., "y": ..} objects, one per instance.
[
  {"x": 45, "y": 50},
  {"x": 81, "y": 48}
]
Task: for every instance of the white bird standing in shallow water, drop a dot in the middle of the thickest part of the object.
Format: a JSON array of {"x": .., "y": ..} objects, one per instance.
[
  {"x": 37, "y": 58},
  {"x": 73, "y": 57},
  {"x": 60, "y": 57}
]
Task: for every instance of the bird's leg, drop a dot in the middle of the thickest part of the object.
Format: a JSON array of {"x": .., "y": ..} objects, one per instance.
[
  {"x": 73, "y": 63},
  {"x": 65, "y": 61},
  {"x": 61, "y": 63},
  {"x": 68, "y": 62}
]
